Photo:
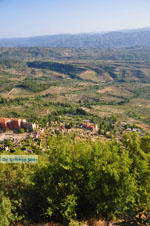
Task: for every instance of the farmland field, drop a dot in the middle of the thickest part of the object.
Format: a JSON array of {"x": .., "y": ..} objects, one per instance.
[{"x": 108, "y": 82}]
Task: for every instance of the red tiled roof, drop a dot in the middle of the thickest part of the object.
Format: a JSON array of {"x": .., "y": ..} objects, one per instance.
[
  {"x": 4, "y": 120},
  {"x": 16, "y": 119}
]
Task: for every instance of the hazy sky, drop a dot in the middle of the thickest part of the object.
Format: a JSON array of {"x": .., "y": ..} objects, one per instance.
[{"x": 19, "y": 18}]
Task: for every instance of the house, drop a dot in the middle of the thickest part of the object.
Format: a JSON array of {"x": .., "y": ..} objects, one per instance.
[
  {"x": 16, "y": 124},
  {"x": 4, "y": 122},
  {"x": 89, "y": 126},
  {"x": 28, "y": 125},
  {"x": 7, "y": 123}
]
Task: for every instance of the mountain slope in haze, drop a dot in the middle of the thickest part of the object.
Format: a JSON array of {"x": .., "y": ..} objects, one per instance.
[
  {"x": 38, "y": 53},
  {"x": 117, "y": 39}
]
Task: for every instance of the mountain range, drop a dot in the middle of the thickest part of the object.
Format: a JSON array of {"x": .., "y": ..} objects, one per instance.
[{"x": 114, "y": 39}]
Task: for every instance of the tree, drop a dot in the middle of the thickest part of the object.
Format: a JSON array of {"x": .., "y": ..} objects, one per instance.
[{"x": 8, "y": 214}]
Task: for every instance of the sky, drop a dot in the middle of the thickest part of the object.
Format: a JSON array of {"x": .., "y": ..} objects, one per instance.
[{"x": 25, "y": 18}]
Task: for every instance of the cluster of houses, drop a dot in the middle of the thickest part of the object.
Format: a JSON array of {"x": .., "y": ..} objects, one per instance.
[
  {"x": 87, "y": 127},
  {"x": 16, "y": 124},
  {"x": 90, "y": 126}
]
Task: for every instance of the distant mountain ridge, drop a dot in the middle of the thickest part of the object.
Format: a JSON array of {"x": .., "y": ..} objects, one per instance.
[{"x": 114, "y": 39}]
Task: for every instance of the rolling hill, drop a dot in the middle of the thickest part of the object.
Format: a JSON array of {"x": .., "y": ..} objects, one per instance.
[{"x": 116, "y": 39}]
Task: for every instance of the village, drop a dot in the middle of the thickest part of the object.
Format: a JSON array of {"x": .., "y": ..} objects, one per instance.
[
  {"x": 16, "y": 131},
  {"x": 16, "y": 127}
]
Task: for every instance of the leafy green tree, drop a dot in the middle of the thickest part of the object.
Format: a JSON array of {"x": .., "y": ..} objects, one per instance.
[{"x": 8, "y": 214}]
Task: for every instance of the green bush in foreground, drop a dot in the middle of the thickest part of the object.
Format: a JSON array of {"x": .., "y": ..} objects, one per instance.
[
  {"x": 8, "y": 212},
  {"x": 79, "y": 180}
]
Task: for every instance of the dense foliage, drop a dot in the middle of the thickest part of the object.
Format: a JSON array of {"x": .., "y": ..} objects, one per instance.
[{"x": 77, "y": 180}]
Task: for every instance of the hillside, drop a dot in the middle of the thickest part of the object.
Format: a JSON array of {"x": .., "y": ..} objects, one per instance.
[
  {"x": 104, "y": 82},
  {"x": 116, "y": 39},
  {"x": 38, "y": 53},
  {"x": 91, "y": 111}
]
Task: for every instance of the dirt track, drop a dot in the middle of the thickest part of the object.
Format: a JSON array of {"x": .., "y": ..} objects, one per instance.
[{"x": 13, "y": 136}]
